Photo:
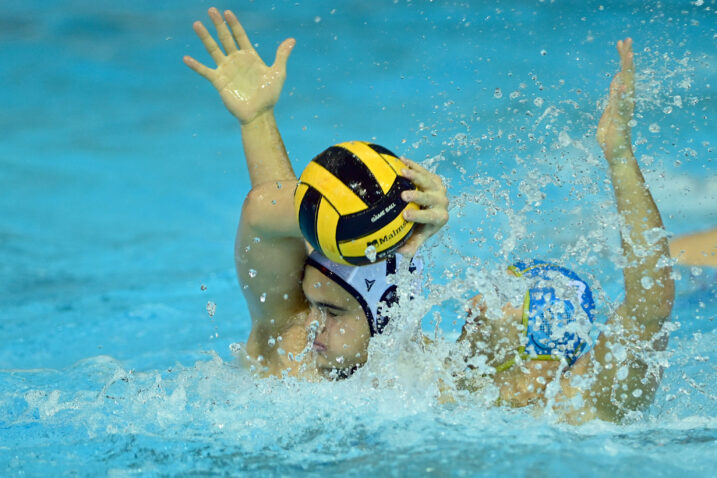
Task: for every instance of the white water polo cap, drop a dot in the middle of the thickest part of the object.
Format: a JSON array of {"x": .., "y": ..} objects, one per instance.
[{"x": 369, "y": 284}]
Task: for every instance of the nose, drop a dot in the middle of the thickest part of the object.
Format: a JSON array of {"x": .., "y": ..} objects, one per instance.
[{"x": 316, "y": 319}]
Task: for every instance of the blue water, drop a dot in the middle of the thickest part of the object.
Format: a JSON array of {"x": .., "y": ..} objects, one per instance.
[{"x": 121, "y": 182}]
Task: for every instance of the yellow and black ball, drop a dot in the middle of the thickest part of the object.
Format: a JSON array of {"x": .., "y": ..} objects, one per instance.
[{"x": 349, "y": 204}]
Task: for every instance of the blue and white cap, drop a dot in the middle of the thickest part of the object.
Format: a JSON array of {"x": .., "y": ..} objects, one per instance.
[
  {"x": 369, "y": 284},
  {"x": 557, "y": 305}
]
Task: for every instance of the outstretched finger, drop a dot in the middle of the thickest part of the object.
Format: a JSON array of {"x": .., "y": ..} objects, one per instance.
[
  {"x": 435, "y": 217},
  {"x": 209, "y": 43},
  {"x": 282, "y": 54},
  {"x": 239, "y": 34},
  {"x": 424, "y": 199},
  {"x": 225, "y": 36},
  {"x": 423, "y": 179},
  {"x": 624, "y": 47},
  {"x": 414, "y": 165},
  {"x": 198, "y": 67}
]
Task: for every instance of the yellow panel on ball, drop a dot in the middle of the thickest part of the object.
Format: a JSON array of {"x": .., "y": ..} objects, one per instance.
[
  {"x": 326, "y": 223},
  {"x": 339, "y": 195}
]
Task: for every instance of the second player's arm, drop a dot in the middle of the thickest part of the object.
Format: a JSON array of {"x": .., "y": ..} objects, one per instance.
[{"x": 619, "y": 363}]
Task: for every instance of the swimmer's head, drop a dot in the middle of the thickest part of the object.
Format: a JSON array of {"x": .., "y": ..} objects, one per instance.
[
  {"x": 553, "y": 322},
  {"x": 348, "y": 305}
]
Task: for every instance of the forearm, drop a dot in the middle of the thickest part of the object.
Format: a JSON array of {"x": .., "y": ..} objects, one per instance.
[
  {"x": 266, "y": 156},
  {"x": 649, "y": 288}
]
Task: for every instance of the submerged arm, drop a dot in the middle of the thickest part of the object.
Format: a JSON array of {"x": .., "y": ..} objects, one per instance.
[
  {"x": 698, "y": 249},
  {"x": 636, "y": 326},
  {"x": 269, "y": 250}
]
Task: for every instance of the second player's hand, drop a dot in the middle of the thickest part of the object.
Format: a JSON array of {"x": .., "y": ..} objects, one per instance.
[
  {"x": 247, "y": 86},
  {"x": 613, "y": 133}
]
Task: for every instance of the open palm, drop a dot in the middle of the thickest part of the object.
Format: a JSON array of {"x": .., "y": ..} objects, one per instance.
[
  {"x": 247, "y": 86},
  {"x": 613, "y": 132}
]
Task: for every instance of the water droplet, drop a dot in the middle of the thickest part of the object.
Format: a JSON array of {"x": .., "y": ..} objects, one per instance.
[
  {"x": 632, "y": 123},
  {"x": 498, "y": 93},
  {"x": 538, "y": 102},
  {"x": 647, "y": 282},
  {"x": 543, "y": 52},
  {"x": 342, "y": 331},
  {"x": 286, "y": 296},
  {"x": 317, "y": 19},
  {"x": 252, "y": 273},
  {"x": 340, "y": 359},
  {"x": 637, "y": 392},
  {"x": 262, "y": 297},
  {"x": 203, "y": 287},
  {"x": 654, "y": 128},
  {"x": 667, "y": 110},
  {"x": 257, "y": 240},
  {"x": 271, "y": 341},
  {"x": 317, "y": 285},
  {"x": 370, "y": 253},
  {"x": 564, "y": 139},
  {"x": 211, "y": 308},
  {"x": 695, "y": 271}
]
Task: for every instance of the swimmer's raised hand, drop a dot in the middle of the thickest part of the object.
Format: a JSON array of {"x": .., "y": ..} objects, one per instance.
[
  {"x": 430, "y": 194},
  {"x": 247, "y": 86},
  {"x": 613, "y": 133}
]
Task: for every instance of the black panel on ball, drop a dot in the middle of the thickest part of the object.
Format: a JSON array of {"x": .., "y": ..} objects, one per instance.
[
  {"x": 360, "y": 224},
  {"x": 308, "y": 214},
  {"x": 351, "y": 171}
]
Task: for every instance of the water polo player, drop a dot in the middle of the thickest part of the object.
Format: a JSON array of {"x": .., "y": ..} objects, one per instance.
[
  {"x": 544, "y": 338},
  {"x": 310, "y": 316}
]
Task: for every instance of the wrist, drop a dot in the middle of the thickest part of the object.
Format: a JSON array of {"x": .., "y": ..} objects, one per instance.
[{"x": 257, "y": 120}]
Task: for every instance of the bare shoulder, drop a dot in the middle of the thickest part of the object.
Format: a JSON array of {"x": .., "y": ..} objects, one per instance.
[{"x": 277, "y": 350}]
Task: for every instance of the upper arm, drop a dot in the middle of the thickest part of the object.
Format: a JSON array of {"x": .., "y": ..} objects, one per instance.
[{"x": 269, "y": 256}]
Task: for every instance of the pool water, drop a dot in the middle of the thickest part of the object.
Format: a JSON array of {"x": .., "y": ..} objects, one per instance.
[{"x": 121, "y": 182}]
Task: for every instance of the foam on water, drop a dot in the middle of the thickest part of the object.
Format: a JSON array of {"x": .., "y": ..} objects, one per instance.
[{"x": 386, "y": 418}]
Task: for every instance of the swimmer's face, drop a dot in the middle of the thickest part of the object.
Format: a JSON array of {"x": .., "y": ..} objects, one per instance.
[
  {"x": 498, "y": 339},
  {"x": 343, "y": 334}
]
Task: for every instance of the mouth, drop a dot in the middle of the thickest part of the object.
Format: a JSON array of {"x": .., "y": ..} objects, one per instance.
[{"x": 319, "y": 347}]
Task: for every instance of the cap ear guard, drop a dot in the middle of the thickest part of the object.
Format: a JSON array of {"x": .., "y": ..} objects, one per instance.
[{"x": 368, "y": 284}]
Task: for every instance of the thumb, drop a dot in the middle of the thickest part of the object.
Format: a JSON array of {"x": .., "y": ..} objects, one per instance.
[{"x": 282, "y": 54}]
